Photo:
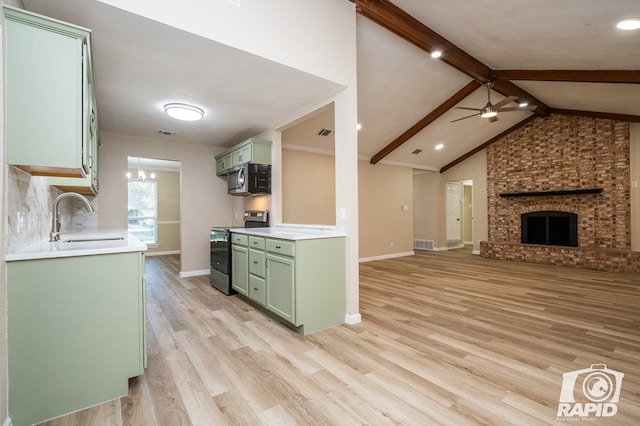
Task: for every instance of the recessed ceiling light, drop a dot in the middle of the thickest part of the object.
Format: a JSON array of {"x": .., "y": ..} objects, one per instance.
[
  {"x": 439, "y": 146},
  {"x": 436, "y": 54},
  {"x": 523, "y": 104},
  {"x": 183, "y": 112},
  {"x": 629, "y": 24}
]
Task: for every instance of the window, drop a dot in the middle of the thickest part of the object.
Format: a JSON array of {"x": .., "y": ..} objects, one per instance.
[{"x": 143, "y": 211}]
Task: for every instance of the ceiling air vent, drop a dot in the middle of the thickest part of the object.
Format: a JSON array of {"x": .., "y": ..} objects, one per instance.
[
  {"x": 324, "y": 132},
  {"x": 416, "y": 151},
  {"x": 167, "y": 132}
]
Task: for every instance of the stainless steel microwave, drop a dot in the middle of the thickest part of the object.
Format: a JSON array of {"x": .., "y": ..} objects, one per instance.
[{"x": 249, "y": 179}]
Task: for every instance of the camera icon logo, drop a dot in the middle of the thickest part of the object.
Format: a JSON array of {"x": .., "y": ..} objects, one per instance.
[{"x": 592, "y": 391}]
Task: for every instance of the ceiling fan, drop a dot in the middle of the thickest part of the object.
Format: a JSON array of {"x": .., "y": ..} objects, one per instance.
[{"x": 490, "y": 110}]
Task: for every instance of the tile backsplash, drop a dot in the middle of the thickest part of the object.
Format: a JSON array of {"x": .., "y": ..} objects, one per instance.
[{"x": 30, "y": 205}]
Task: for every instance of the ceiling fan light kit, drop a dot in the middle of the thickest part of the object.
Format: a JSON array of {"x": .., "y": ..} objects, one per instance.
[
  {"x": 629, "y": 24},
  {"x": 491, "y": 111}
]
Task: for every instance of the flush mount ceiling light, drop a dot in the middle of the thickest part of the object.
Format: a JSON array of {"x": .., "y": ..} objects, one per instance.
[
  {"x": 629, "y": 24},
  {"x": 439, "y": 146},
  {"x": 436, "y": 54},
  {"x": 183, "y": 112}
]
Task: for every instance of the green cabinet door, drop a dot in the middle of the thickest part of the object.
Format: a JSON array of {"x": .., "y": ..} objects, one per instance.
[
  {"x": 76, "y": 330},
  {"x": 46, "y": 94},
  {"x": 280, "y": 290},
  {"x": 240, "y": 269}
]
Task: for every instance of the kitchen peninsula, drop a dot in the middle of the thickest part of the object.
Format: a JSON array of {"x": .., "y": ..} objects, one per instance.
[
  {"x": 76, "y": 323},
  {"x": 295, "y": 272}
]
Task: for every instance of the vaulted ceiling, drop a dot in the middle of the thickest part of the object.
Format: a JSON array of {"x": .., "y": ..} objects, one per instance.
[{"x": 566, "y": 57}]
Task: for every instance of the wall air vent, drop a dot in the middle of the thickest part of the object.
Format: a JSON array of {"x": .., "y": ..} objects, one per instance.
[
  {"x": 416, "y": 151},
  {"x": 167, "y": 132},
  {"x": 324, "y": 132}
]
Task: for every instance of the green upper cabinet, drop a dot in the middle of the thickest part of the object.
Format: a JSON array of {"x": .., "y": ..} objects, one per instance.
[
  {"x": 250, "y": 151},
  {"x": 50, "y": 104}
]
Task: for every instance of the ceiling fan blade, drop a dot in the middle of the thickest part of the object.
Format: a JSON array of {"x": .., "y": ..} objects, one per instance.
[
  {"x": 470, "y": 109},
  {"x": 527, "y": 108},
  {"x": 505, "y": 101},
  {"x": 468, "y": 116}
]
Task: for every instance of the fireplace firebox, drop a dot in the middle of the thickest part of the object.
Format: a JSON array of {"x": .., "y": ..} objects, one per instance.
[{"x": 552, "y": 228}]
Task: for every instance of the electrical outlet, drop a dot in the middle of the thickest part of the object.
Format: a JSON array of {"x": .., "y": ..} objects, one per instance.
[
  {"x": 391, "y": 244},
  {"x": 634, "y": 184}
]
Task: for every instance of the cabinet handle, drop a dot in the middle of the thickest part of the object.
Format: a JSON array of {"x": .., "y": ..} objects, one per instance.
[
  {"x": 255, "y": 288},
  {"x": 255, "y": 262},
  {"x": 278, "y": 247}
]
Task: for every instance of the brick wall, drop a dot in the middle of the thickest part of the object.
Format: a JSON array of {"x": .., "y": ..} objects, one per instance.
[{"x": 561, "y": 152}]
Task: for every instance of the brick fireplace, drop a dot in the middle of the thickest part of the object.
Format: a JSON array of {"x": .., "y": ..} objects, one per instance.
[{"x": 563, "y": 164}]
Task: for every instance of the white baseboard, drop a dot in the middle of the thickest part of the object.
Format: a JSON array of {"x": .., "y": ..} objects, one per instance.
[
  {"x": 386, "y": 256},
  {"x": 352, "y": 319},
  {"x": 476, "y": 252},
  {"x": 161, "y": 253},
  {"x": 7, "y": 422},
  {"x": 187, "y": 274}
]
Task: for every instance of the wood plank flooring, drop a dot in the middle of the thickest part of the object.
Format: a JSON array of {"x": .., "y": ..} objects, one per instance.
[{"x": 446, "y": 338}]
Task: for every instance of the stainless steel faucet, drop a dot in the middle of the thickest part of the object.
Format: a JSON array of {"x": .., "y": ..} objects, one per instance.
[{"x": 55, "y": 228}]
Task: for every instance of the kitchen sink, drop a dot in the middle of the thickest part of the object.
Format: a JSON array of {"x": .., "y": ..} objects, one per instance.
[{"x": 95, "y": 239}]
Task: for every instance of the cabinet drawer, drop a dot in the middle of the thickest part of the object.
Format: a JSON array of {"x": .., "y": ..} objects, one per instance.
[
  {"x": 287, "y": 248},
  {"x": 240, "y": 239},
  {"x": 256, "y": 242},
  {"x": 256, "y": 262},
  {"x": 256, "y": 289}
]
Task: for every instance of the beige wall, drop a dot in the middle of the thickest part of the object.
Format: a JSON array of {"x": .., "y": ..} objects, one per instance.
[
  {"x": 203, "y": 196},
  {"x": 430, "y": 199},
  {"x": 385, "y": 228},
  {"x": 426, "y": 201},
  {"x": 308, "y": 188},
  {"x": 635, "y": 192}
]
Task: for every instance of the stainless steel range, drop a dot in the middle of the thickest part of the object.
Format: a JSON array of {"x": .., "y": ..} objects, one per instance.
[{"x": 220, "y": 242}]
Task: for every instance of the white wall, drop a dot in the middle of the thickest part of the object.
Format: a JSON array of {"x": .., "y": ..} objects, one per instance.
[
  {"x": 203, "y": 195},
  {"x": 312, "y": 36}
]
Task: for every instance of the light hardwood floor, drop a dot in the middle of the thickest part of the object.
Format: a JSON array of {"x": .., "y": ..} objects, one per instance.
[{"x": 446, "y": 338}]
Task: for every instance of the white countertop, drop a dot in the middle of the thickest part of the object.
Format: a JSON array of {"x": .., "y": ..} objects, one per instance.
[
  {"x": 293, "y": 232},
  {"x": 85, "y": 243}
]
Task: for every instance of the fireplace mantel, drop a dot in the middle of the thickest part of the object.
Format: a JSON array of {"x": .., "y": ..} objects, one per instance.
[{"x": 545, "y": 193}]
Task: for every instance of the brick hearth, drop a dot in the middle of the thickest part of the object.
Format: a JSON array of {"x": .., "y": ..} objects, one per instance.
[{"x": 556, "y": 153}]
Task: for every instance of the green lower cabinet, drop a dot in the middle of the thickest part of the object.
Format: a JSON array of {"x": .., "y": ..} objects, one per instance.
[
  {"x": 301, "y": 282},
  {"x": 239, "y": 269},
  {"x": 281, "y": 286},
  {"x": 256, "y": 289},
  {"x": 76, "y": 331}
]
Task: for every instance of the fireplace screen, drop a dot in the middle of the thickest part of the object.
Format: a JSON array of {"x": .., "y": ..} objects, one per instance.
[{"x": 549, "y": 228}]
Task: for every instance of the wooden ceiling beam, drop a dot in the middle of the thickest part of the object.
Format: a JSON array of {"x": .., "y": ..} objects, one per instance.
[
  {"x": 584, "y": 76},
  {"x": 487, "y": 143},
  {"x": 428, "y": 119},
  {"x": 399, "y": 22}
]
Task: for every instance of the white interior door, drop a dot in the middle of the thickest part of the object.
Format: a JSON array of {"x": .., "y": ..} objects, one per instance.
[{"x": 453, "y": 211}]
